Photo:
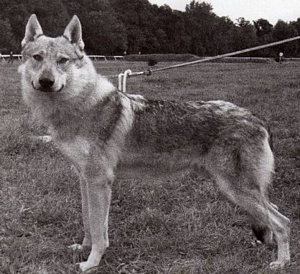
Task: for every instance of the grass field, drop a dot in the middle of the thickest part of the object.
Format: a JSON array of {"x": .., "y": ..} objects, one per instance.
[{"x": 175, "y": 225}]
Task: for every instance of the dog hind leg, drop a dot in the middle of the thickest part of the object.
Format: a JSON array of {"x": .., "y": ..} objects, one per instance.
[
  {"x": 281, "y": 230},
  {"x": 243, "y": 176},
  {"x": 262, "y": 233},
  {"x": 270, "y": 220}
]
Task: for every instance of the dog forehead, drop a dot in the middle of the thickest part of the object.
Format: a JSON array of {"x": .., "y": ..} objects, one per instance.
[{"x": 51, "y": 46}]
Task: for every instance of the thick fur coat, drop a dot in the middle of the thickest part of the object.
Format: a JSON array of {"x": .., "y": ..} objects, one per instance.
[{"x": 93, "y": 125}]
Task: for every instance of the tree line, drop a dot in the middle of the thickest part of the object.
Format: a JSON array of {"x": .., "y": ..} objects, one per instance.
[{"x": 114, "y": 27}]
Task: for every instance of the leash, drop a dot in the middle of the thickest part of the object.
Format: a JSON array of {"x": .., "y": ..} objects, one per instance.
[{"x": 122, "y": 77}]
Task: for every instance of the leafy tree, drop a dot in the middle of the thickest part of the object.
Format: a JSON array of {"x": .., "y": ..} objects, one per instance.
[
  {"x": 52, "y": 15},
  {"x": 113, "y": 26},
  {"x": 263, "y": 27},
  {"x": 245, "y": 35},
  {"x": 264, "y": 36},
  {"x": 296, "y": 25},
  {"x": 13, "y": 14},
  {"x": 7, "y": 40},
  {"x": 224, "y": 36},
  {"x": 103, "y": 33},
  {"x": 199, "y": 21},
  {"x": 283, "y": 30},
  {"x": 172, "y": 24},
  {"x": 139, "y": 19}
]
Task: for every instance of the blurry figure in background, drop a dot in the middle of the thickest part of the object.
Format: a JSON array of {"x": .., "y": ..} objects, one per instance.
[
  {"x": 11, "y": 57},
  {"x": 280, "y": 57}
]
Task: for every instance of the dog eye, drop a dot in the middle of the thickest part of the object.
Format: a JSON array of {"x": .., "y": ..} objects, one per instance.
[
  {"x": 62, "y": 60},
  {"x": 38, "y": 57}
]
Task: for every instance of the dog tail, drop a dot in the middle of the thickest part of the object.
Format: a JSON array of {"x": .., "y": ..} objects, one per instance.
[{"x": 266, "y": 125}]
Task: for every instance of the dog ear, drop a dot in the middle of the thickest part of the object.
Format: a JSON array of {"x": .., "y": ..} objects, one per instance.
[
  {"x": 73, "y": 32},
  {"x": 33, "y": 30}
]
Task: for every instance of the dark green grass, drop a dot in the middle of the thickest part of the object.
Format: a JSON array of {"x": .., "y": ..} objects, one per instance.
[{"x": 172, "y": 225}]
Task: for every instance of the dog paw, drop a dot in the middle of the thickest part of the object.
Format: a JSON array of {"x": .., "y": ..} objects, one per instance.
[
  {"x": 277, "y": 264},
  {"x": 86, "y": 268},
  {"x": 76, "y": 247}
]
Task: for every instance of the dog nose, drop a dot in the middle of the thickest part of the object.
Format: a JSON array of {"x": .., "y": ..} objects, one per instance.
[{"x": 46, "y": 82}]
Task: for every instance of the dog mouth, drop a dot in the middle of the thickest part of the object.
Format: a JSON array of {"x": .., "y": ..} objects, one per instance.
[{"x": 47, "y": 90}]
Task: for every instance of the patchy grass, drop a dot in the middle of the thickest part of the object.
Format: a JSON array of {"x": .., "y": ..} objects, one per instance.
[{"x": 174, "y": 225}]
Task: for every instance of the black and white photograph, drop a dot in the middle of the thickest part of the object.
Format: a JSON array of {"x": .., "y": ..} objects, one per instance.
[{"x": 149, "y": 137}]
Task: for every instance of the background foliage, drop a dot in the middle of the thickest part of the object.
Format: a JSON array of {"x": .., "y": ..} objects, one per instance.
[{"x": 134, "y": 26}]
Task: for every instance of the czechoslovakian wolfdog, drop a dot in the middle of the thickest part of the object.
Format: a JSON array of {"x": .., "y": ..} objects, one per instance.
[{"x": 92, "y": 123}]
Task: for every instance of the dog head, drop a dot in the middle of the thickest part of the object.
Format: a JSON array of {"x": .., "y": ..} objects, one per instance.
[{"x": 50, "y": 61}]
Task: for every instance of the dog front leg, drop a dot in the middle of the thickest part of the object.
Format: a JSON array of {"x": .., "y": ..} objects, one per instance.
[
  {"x": 87, "y": 240},
  {"x": 99, "y": 195}
]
